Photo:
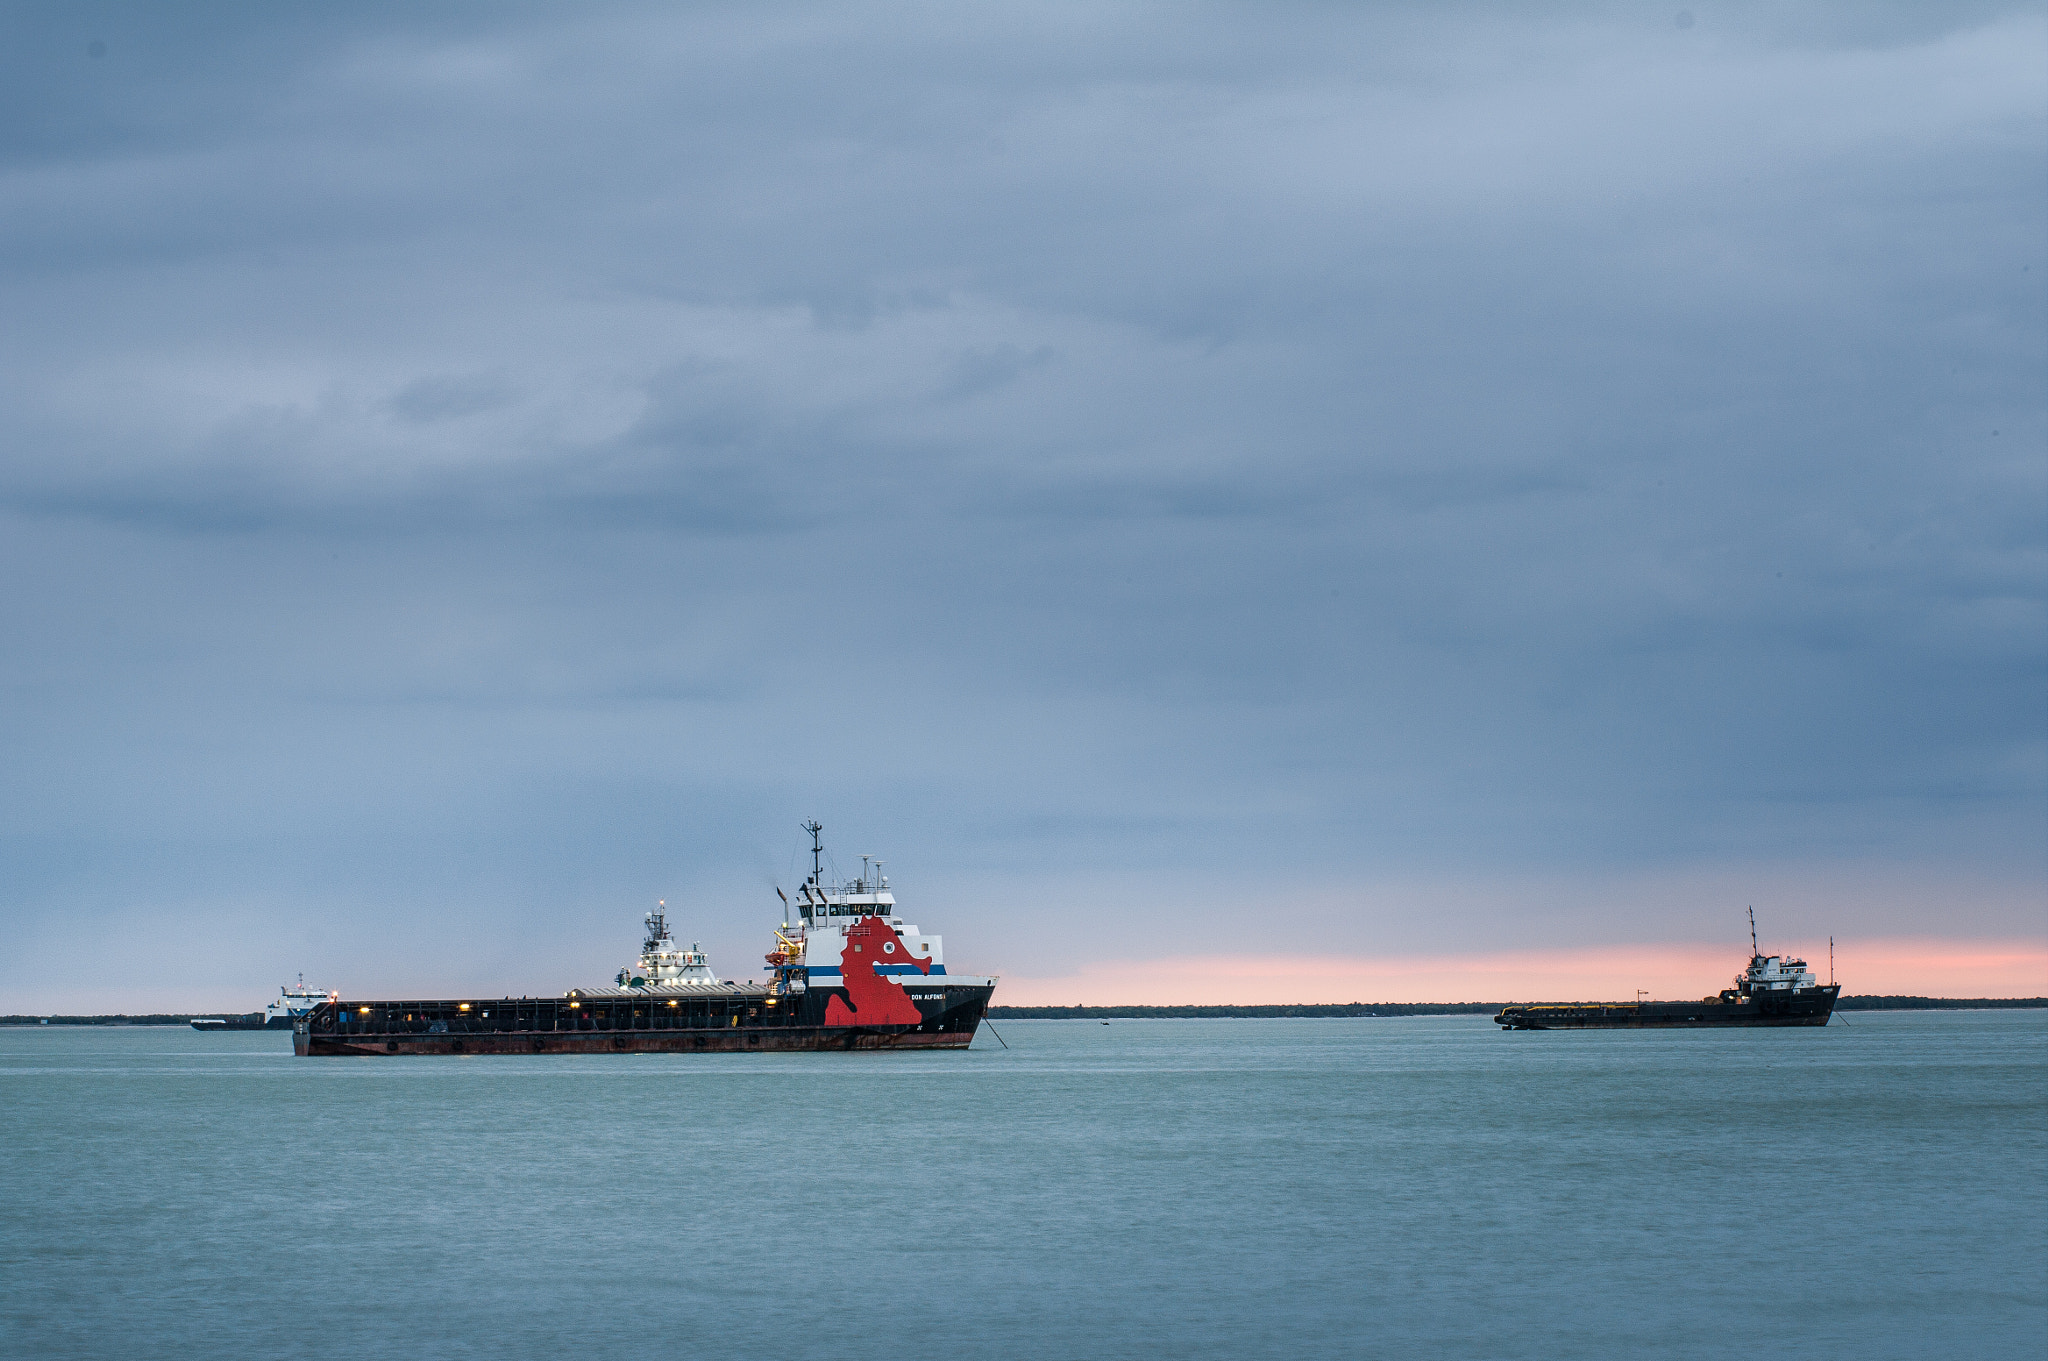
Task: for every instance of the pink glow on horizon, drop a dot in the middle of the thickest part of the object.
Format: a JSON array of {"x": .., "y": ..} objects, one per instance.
[{"x": 1896, "y": 966}]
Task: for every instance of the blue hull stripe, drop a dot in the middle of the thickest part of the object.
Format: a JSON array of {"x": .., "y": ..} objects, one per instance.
[{"x": 937, "y": 970}]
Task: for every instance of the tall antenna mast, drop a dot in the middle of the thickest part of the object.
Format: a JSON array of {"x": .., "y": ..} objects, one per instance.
[
  {"x": 1831, "y": 963},
  {"x": 1752, "y": 934},
  {"x": 817, "y": 852}
]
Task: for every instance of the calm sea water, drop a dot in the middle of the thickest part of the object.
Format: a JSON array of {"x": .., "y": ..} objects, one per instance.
[{"x": 1254, "y": 1188}]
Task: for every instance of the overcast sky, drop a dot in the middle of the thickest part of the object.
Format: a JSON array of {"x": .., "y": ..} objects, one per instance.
[{"x": 1340, "y": 481}]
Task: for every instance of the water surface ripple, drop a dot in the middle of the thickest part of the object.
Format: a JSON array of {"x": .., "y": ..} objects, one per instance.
[{"x": 1204, "y": 1188}]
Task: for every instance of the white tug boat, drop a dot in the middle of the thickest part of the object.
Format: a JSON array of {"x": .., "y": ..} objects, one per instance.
[{"x": 294, "y": 1001}]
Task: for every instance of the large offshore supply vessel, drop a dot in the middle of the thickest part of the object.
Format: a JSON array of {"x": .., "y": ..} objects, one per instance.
[
  {"x": 846, "y": 972},
  {"x": 1772, "y": 990}
]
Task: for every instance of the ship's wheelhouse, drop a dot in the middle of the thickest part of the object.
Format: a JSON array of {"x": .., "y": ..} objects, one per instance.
[{"x": 1773, "y": 973}]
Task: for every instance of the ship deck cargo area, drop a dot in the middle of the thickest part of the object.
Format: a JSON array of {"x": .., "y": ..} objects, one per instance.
[
  {"x": 724, "y": 1005},
  {"x": 1811, "y": 1006},
  {"x": 726, "y": 1016}
]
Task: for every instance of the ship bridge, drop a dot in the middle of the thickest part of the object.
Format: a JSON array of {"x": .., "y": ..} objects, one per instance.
[
  {"x": 867, "y": 895},
  {"x": 1773, "y": 973},
  {"x": 856, "y": 899}
]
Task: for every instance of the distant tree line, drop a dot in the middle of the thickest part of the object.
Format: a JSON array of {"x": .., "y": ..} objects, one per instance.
[{"x": 1937, "y": 1003}]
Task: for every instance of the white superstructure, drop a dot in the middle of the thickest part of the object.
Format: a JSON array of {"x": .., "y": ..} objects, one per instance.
[
  {"x": 663, "y": 963},
  {"x": 824, "y": 913},
  {"x": 812, "y": 949},
  {"x": 1773, "y": 973},
  {"x": 295, "y": 1001}
]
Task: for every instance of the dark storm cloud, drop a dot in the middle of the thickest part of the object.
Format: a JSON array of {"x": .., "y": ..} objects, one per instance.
[{"x": 495, "y": 454}]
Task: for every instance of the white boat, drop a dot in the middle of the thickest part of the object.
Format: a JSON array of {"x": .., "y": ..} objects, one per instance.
[{"x": 294, "y": 1000}]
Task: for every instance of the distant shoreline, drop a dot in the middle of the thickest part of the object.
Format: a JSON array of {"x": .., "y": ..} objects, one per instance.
[{"x": 1142, "y": 1013}]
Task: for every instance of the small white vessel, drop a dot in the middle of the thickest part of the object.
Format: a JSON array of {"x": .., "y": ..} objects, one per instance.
[{"x": 293, "y": 1001}]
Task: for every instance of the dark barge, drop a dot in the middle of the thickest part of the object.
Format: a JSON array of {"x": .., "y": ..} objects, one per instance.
[
  {"x": 721, "y": 1017},
  {"x": 1812, "y": 1007}
]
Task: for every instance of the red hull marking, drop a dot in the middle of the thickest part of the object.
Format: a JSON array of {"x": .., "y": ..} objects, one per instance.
[{"x": 877, "y": 1000}]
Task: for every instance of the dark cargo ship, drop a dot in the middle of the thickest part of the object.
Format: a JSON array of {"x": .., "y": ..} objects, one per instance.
[
  {"x": 1773, "y": 990},
  {"x": 848, "y": 973}
]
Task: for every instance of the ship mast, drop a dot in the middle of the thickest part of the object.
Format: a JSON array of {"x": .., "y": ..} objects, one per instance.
[
  {"x": 817, "y": 852},
  {"x": 1752, "y": 933}
]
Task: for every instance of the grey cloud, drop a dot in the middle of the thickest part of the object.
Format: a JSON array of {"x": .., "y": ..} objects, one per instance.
[
  {"x": 444, "y": 398},
  {"x": 977, "y": 370},
  {"x": 1303, "y": 444}
]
